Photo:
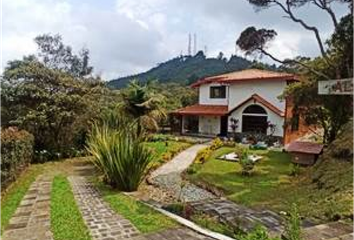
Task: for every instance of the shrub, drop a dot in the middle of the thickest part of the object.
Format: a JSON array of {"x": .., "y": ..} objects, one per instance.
[
  {"x": 246, "y": 164},
  {"x": 16, "y": 153},
  {"x": 294, "y": 169},
  {"x": 259, "y": 233},
  {"x": 293, "y": 224},
  {"x": 216, "y": 143},
  {"x": 205, "y": 153},
  {"x": 120, "y": 155}
]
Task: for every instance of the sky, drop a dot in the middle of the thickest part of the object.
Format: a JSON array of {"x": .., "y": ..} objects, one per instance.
[{"x": 130, "y": 36}]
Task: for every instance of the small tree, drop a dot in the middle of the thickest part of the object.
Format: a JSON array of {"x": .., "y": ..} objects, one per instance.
[{"x": 247, "y": 164}]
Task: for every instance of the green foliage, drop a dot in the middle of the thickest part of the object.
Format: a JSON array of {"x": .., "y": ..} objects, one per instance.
[
  {"x": 293, "y": 224},
  {"x": 144, "y": 104},
  {"x": 165, "y": 150},
  {"x": 247, "y": 164},
  {"x": 216, "y": 144},
  {"x": 259, "y": 233},
  {"x": 186, "y": 70},
  {"x": 53, "y": 104},
  {"x": 204, "y": 154},
  {"x": 141, "y": 216},
  {"x": 176, "y": 95},
  {"x": 330, "y": 112},
  {"x": 16, "y": 153},
  {"x": 176, "y": 208},
  {"x": 120, "y": 155},
  {"x": 295, "y": 169},
  {"x": 213, "y": 224},
  {"x": 262, "y": 189},
  {"x": 65, "y": 217},
  {"x": 55, "y": 55}
]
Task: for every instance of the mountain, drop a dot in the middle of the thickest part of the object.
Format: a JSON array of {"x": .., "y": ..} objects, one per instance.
[{"x": 186, "y": 69}]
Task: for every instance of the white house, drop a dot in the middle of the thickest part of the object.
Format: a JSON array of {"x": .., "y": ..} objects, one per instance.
[{"x": 249, "y": 96}]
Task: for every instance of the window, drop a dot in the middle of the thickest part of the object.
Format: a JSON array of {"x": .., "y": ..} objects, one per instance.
[{"x": 218, "y": 92}]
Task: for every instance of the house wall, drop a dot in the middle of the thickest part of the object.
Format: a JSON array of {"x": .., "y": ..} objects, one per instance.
[
  {"x": 204, "y": 95},
  {"x": 209, "y": 125},
  {"x": 269, "y": 90},
  {"x": 289, "y": 134},
  {"x": 303, "y": 158},
  {"x": 271, "y": 116}
]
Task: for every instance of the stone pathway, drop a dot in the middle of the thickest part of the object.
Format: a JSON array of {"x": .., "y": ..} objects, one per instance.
[
  {"x": 236, "y": 215},
  {"x": 31, "y": 220},
  {"x": 102, "y": 221},
  {"x": 169, "y": 177},
  {"x": 330, "y": 231}
]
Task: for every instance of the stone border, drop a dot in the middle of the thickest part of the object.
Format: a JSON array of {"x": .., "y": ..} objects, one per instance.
[
  {"x": 31, "y": 220},
  {"x": 190, "y": 224}
]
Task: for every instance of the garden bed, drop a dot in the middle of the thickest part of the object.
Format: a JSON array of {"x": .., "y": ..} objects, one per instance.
[{"x": 259, "y": 189}]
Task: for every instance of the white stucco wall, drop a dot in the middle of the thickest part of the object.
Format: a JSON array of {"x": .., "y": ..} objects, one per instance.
[
  {"x": 204, "y": 95},
  {"x": 271, "y": 116},
  {"x": 269, "y": 90},
  {"x": 209, "y": 125}
]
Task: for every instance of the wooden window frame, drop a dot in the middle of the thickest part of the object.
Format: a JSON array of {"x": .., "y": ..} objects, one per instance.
[{"x": 222, "y": 90}]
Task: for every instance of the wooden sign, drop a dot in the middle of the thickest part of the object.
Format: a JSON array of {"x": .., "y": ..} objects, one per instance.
[{"x": 336, "y": 87}]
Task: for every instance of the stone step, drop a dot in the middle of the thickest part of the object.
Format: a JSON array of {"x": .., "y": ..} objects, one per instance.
[{"x": 329, "y": 231}]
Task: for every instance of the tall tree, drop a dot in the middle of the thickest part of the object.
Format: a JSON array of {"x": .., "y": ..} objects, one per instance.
[
  {"x": 54, "y": 54},
  {"x": 141, "y": 102},
  {"x": 336, "y": 61}
]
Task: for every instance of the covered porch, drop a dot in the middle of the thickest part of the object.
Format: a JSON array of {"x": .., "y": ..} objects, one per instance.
[{"x": 203, "y": 120}]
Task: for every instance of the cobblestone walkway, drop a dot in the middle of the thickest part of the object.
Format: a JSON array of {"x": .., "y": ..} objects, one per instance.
[
  {"x": 31, "y": 220},
  {"x": 169, "y": 177},
  {"x": 102, "y": 221},
  {"x": 239, "y": 216},
  {"x": 332, "y": 231}
]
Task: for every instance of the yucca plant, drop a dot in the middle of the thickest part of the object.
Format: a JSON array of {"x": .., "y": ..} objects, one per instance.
[{"x": 120, "y": 155}]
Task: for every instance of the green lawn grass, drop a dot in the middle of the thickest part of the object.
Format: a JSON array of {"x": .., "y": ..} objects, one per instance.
[
  {"x": 160, "y": 148},
  {"x": 144, "y": 218},
  {"x": 66, "y": 220},
  {"x": 261, "y": 188},
  {"x": 13, "y": 195}
]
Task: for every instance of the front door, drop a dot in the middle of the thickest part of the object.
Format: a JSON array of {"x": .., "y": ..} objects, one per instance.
[
  {"x": 254, "y": 124},
  {"x": 223, "y": 125}
]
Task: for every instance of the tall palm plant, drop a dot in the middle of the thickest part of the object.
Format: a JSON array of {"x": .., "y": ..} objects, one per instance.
[{"x": 141, "y": 102}]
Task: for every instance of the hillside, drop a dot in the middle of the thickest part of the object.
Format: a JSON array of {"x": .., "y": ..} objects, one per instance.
[
  {"x": 186, "y": 69},
  {"x": 329, "y": 184}
]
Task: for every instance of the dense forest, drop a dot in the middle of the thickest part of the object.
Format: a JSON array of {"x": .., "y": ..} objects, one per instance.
[{"x": 188, "y": 69}]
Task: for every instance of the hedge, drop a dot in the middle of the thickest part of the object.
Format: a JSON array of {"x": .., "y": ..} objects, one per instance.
[{"x": 16, "y": 153}]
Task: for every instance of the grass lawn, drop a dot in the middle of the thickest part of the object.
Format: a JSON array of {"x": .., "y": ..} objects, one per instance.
[
  {"x": 11, "y": 198},
  {"x": 163, "y": 152},
  {"x": 259, "y": 189},
  {"x": 65, "y": 217},
  {"x": 141, "y": 216}
]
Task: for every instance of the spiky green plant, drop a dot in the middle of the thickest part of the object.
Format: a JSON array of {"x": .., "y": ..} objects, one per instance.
[
  {"x": 120, "y": 155},
  {"x": 293, "y": 224}
]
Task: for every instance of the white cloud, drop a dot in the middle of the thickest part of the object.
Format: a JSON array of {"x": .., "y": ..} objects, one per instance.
[{"x": 129, "y": 36}]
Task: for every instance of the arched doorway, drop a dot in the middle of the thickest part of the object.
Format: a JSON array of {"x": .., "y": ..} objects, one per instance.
[{"x": 254, "y": 119}]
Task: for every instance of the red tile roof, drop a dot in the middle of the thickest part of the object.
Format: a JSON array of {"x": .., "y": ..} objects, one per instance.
[
  {"x": 202, "y": 109},
  {"x": 305, "y": 147},
  {"x": 262, "y": 101},
  {"x": 246, "y": 75}
]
